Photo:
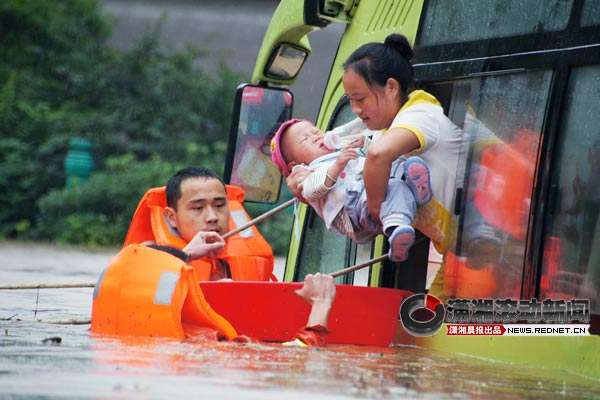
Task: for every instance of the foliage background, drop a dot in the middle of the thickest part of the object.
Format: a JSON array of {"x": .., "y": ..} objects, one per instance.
[{"x": 146, "y": 112}]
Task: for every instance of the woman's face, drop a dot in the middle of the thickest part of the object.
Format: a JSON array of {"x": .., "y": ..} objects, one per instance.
[{"x": 376, "y": 106}]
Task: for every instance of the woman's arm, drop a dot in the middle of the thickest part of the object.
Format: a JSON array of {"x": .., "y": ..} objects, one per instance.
[{"x": 382, "y": 152}]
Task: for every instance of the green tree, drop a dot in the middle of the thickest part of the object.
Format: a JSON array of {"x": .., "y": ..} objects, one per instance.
[
  {"x": 46, "y": 47},
  {"x": 147, "y": 109}
]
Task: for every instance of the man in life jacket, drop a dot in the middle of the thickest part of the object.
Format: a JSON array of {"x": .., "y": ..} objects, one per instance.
[
  {"x": 191, "y": 214},
  {"x": 187, "y": 220},
  {"x": 198, "y": 209}
]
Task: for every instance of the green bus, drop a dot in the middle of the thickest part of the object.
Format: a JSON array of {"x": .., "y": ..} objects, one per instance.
[{"x": 522, "y": 79}]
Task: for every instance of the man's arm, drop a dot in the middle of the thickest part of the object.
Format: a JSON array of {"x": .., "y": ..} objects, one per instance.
[{"x": 319, "y": 292}]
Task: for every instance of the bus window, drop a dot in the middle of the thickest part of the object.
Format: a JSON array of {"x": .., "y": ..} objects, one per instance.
[
  {"x": 590, "y": 14},
  {"x": 322, "y": 251},
  {"x": 342, "y": 115},
  {"x": 571, "y": 259},
  {"x": 464, "y": 21},
  {"x": 261, "y": 110},
  {"x": 502, "y": 125}
]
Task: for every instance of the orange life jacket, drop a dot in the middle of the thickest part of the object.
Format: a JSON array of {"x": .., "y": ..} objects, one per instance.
[
  {"x": 148, "y": 292},
  {"x": 464, "y": 282},
  {"x": 502, "y": 194},
  {"x": 248, "y": 254},
  {"x": 504, "y": 183}
]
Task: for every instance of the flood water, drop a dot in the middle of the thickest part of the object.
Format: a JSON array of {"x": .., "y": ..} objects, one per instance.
[{"x": 40, "y": 358}]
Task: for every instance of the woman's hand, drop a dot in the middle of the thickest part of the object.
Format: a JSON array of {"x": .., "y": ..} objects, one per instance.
[{"x": 295, "y": 182}]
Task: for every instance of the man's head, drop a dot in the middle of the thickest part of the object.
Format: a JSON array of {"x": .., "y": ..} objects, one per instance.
[
  {"x": 297, "y": 142},
  {"x": 197, "y": 202}
]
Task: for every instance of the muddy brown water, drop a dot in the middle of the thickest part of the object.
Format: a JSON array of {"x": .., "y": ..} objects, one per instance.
[{"x": 56, "y": 361}]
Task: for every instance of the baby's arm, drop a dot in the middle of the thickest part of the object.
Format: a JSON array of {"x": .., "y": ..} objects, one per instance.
[
  {"x": 315, "y": 185},
  {"x": 323, "y": 179}
]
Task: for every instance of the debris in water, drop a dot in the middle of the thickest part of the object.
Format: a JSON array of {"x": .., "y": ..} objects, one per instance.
[{"x": 52, "y": 340}]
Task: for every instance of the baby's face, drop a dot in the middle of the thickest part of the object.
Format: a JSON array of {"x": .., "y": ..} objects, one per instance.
[{"x": 303, "y": 143}]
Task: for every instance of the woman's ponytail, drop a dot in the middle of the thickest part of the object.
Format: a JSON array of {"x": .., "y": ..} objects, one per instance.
[
  {"x": 377, "y": 62},
  {"x": 400, "y": 43}
]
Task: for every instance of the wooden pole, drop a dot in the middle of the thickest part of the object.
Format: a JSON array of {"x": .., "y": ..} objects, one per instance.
[
  {"x": 91, "y": 285},
  {"x": 255, "y": 221},
  {"x": 359, "y": 266},
  {"x": 260, "y": 218},
  {"x": 48, "y": 286}
]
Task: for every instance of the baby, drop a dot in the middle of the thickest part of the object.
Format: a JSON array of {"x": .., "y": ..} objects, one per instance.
[{"x": 335, "y": 188}]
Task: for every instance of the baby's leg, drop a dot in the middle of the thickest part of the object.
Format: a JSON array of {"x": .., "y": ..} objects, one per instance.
[
  {"x": 397, "y": 214},
  {"x": 400, "y": 241},
  {"x": 355, "y": 205},
  {"x": 416, "y": 174}
]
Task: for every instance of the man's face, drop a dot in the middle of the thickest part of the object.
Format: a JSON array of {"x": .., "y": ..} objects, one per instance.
[{"x": 203, "y": 207}]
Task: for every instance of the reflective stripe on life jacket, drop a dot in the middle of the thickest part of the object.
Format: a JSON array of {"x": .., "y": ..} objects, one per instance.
[
  {"x": 147, "y": 292},
  {"x": 247, "y": 253}
]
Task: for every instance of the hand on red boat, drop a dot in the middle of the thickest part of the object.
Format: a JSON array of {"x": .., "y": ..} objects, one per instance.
[
  {"x": 317, "y": 287},
  {"x": 319, "y": 292},
  {"x": 204, "y": 244}
]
